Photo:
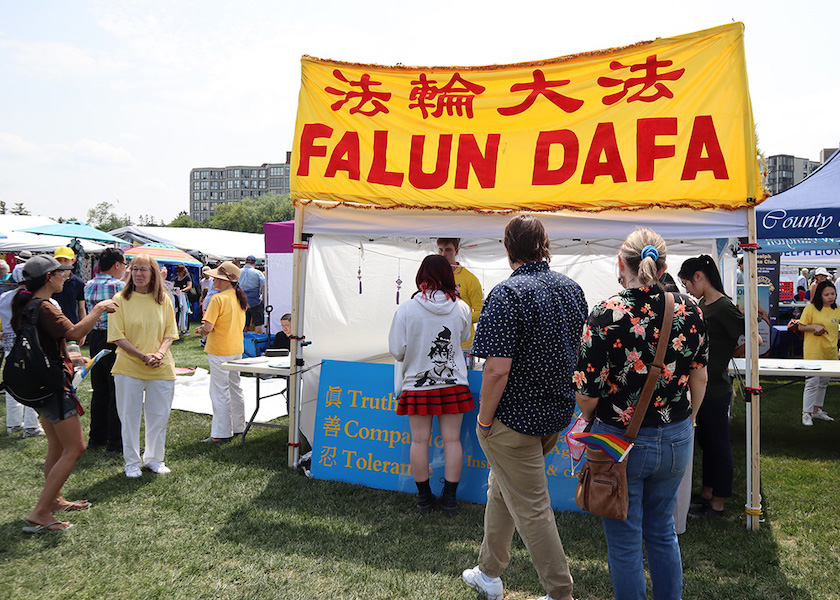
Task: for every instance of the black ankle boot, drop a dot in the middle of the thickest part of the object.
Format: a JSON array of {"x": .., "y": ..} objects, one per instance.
[
  {"x": 425, "y": 499},
  {"x": 448, "y": 503}
]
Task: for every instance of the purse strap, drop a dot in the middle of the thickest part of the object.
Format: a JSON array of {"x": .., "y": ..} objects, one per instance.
[{"x": 654, "y": 370}]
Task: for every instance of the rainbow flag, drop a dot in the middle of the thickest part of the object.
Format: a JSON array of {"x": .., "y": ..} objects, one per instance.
[{"x": 616, "y": 447}]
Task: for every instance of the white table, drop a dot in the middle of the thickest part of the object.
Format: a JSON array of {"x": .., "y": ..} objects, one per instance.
[
  {"x": 789, "y": 367},
  {"x": 262, "y": 366}
]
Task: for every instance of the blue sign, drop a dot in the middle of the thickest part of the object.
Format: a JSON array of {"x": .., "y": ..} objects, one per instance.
[
  {"x": 359, "y": 438},
  {"x": 798, "y": 223}
]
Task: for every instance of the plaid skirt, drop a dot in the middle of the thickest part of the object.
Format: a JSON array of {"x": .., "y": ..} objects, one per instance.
[{"x": 440, "y": 401}]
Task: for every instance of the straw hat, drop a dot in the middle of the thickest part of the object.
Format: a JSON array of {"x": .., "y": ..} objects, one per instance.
[{"x": 227, "y": 271}]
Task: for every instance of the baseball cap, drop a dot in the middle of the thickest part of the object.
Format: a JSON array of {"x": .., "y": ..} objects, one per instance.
[
  {"x": 821, "y": 271},
  {"x": 251, "y": 258},
  {"x": 40, "y": 265},
  {"x": 227, "y": 270},
  {"x": 64, "y": 252}
]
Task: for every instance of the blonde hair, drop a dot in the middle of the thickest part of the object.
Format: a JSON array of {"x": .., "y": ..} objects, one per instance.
[
  {"x": 156, "y": 287},
  {"x": 635, "y": 245}
]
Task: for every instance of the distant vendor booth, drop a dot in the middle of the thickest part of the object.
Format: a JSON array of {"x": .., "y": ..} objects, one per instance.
[{"x": 387, "y": 159}]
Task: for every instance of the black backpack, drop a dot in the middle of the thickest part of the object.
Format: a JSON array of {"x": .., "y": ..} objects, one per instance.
[{"x": 29, "y": 375}]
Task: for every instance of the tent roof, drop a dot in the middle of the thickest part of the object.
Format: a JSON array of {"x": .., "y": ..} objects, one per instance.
[
  {"x": 810, "y": 209},
  {"x": 215, "y": 244},
  {"x": 669, "y": 223},
  {"x": 15, "y": 241}
]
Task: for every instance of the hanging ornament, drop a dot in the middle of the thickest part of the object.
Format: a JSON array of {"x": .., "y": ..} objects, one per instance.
[
  {"x": 399, "y": 281},
  {"x": 359, "y": 272}
]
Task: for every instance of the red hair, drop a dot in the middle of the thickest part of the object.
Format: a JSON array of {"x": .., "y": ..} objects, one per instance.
[{"x": 435, "y": 274}]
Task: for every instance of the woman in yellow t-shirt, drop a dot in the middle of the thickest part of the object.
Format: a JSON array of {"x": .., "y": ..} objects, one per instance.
[
  {"x": 223, "y": 324},
  {"x": 819, "y": 322},
  {"x": 143, "y": 328}
]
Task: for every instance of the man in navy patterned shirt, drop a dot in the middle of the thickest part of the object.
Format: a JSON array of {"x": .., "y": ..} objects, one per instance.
[{"x": 529, "y": 330}]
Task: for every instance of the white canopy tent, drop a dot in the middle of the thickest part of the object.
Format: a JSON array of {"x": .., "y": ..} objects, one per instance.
[
  {"x": 211, "y": 244},
  {"x": 17, "y": 241}
]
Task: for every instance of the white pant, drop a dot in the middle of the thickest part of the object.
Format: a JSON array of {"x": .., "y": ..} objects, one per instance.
[
  {"x": 17, "y": 414},
  {"x": 814, "y": 394},
  {"x": 226, "y": 398},
  {"x": 130, "y": 403}
]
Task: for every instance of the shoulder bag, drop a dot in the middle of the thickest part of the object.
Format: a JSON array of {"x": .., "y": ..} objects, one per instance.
[{"x": 602, "y": 483}]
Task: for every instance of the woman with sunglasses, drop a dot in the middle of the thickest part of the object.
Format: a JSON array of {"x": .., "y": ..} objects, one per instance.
[{"x": 43, "y": 277}]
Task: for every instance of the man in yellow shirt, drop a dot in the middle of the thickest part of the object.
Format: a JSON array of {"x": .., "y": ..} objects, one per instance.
[{"x": 467, "y": 284}]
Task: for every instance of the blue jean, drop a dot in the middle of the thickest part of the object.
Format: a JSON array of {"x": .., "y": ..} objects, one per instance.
[{"x": 655, "y": 467}]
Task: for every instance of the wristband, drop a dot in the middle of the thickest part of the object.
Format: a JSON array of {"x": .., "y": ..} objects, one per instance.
[{"x": 482, "y": 425}]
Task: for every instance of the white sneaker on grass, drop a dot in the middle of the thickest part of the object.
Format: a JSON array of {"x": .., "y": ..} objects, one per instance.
[
  {"x": 819, "y": 413},
  {"x": 491, "y": 587},
  {"x": 133, "y": 472},
  {"x": 158, "y": 467},
  {"x": 807, "y": 419}
]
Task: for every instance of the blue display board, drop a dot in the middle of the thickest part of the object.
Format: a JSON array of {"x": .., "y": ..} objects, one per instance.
[{"x": 359, "y": 438}]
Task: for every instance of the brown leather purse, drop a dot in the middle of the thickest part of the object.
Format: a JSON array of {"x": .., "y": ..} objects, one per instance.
[{"x": 602, "y": 483}]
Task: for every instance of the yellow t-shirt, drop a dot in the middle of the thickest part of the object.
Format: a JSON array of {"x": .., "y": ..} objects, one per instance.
[
  {"x": 228, "y": 319},
  {"x": 145, "y": 324},
  {"x": 820, "y": 347},
  {"x": 470, "y": 291}
]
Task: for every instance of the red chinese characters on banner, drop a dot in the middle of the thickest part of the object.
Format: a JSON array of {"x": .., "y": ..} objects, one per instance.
[
  {"x": 540, "y": 87},
  {"x": 454, "y": 98},
  {"x": 363, "y": 97},
  {"x": 651, "y": 78}
]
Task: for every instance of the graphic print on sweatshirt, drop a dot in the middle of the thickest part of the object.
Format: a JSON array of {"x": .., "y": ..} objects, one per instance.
[{"x": 442, "y": 355}]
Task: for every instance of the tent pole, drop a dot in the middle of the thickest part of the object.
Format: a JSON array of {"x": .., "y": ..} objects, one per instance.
[
  {"x": 753, "y": 394},
  {"x": 295, "y": 349}
]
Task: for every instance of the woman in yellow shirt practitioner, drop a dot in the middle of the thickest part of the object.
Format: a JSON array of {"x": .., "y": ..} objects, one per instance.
[
  {"x": 223, "y": 323},
  {"x": 143, "y": 328},
  {"x": 820, "y": 321}
]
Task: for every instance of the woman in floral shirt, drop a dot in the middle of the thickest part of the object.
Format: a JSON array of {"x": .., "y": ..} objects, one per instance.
[{"x": 619, "y": 342}]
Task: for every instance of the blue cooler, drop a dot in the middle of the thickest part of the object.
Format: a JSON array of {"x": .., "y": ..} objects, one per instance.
[{"x": 255, "y": 344}]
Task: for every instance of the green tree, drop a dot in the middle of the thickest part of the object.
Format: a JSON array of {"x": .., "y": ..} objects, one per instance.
[
  {"x": 103, "y": 217},
  {"x": 184, "y": 220},
  {"x": 19, "y": 209},
  {"x": 252, "y": 213}
]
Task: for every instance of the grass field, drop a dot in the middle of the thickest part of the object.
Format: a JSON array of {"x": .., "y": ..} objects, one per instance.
[{"x": 233, "y": 522}]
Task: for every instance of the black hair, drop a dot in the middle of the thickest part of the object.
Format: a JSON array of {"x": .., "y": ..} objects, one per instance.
[
  {"x": 817, "y": 299},
  {"x": 240, "y": 295},
  {"x": 110, "y": 257},
  {"x": 705, "y": 265},
  {"x": 287, "y": 317},
  {"x": 24, "y": 296}
]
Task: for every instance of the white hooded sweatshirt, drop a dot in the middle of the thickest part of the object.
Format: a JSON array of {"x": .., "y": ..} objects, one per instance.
[{"x": 425, "y": 339}]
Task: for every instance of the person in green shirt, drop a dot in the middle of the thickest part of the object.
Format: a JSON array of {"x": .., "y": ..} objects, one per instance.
[{"x": 724, "y": 326}]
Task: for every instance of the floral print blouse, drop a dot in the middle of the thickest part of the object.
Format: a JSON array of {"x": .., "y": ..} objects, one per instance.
[{"x": 619, "y": 342}]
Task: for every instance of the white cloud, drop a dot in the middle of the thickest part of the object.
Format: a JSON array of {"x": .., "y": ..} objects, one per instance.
[
  {"x": 56, "y": 60},
  {"x": 82, "y": 150},
  {"x": 14, "y": 145}
]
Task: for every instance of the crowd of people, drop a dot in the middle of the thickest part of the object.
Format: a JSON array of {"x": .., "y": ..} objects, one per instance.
[{"x": 131, "y": 311}]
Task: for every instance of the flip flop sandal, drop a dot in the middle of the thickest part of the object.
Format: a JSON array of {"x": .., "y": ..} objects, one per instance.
[
  {"x": 77, "y": 505},
  {"x": 46, "y": 528}
]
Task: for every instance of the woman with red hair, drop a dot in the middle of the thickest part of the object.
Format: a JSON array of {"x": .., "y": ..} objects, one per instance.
[{"x": 431, "y": 375}]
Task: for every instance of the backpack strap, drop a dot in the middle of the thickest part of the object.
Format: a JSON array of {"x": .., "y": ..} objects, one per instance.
[{"x": 655, "y": 369}]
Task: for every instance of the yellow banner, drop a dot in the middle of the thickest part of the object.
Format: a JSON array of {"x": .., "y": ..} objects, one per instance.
[{"x": 664, "y": 123}]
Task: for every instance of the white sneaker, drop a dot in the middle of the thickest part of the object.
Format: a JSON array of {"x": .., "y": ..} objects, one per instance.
[
  {"x": 133, "y": 472},
  {"x": 807, "y": 419},
  {"x": 31, "y": 432},
  {"x": 492, "y": 588},
  {"x": 158, "y": 467},
  {"x": 819, "y": 413}
]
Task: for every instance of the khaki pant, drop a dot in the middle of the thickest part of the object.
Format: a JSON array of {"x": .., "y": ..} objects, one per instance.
[{"x": 517, "y": 497}]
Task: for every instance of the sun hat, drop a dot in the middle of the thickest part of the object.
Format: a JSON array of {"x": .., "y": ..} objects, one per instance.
[
  {"x": 227, "y": 271},
  {"x": 40, "y": 265},
  {"x": 65, "y": 252},
  {"x": 205, "y": 269},
  {"x": 821, "y": 271},
  {"x": 24, "y": 255}
]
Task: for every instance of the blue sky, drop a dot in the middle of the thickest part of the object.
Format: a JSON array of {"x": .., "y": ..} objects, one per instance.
[{"x": 116, "y": 100}]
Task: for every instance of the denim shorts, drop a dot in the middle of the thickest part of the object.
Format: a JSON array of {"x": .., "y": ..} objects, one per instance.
[{"x": 59, "y": 409}]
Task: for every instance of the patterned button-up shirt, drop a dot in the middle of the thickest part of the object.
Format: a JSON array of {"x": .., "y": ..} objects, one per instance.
[
  {"x": 619, "y": 342},
  {"x": 102, "y": 287},
  {"x": 535, "y": 318}
]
